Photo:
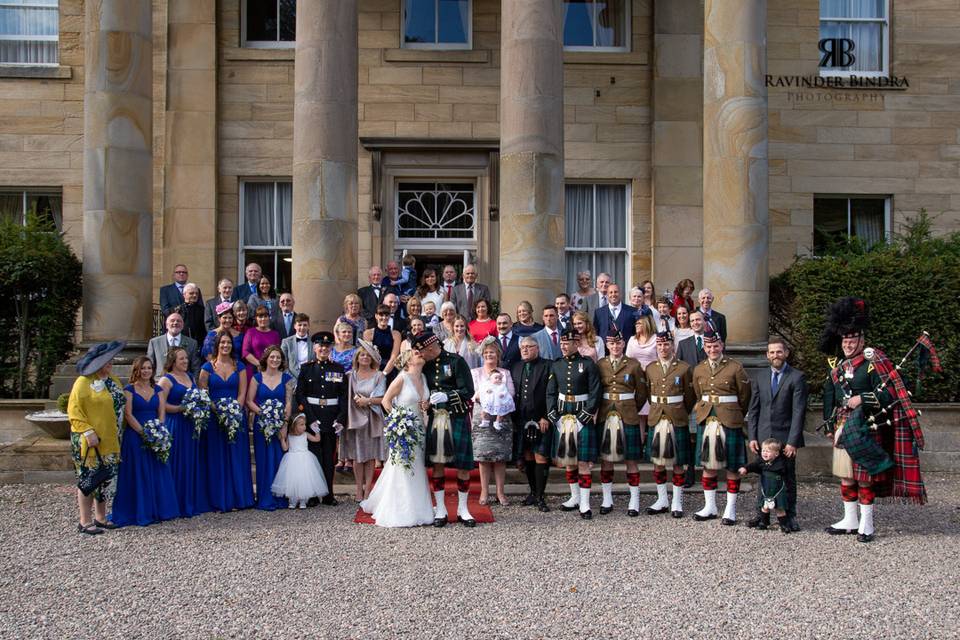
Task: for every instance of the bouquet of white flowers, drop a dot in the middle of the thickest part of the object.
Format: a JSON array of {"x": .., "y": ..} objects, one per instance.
[
  {"x": 196, "y": 406},
  {"x": 229, "y": 416},
  {"x": 271, "y": 418},
  {"x": 404, "y": 434},
  {"x": 157, "y": 438}
]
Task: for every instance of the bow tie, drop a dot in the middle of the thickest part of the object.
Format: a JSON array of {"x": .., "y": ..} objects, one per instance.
[{"x": 302, "y": 339}]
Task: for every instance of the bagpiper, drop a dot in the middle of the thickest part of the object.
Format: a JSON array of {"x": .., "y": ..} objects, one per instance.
[
  {"x": 573, "y": 393},
  {"x": 868, "y": 415},
  {"x": 723, "y": 391},
  {"x": 670, "y": 383},
  {"x": 624, "y": 393}
]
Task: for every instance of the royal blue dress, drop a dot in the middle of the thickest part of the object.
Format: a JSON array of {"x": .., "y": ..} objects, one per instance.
[
  {"x": 268, "y": 454},
  {"x": 186, "y": 456},
  {"x": 145, "y": 490},
  {"x": 229, "y": 478}
]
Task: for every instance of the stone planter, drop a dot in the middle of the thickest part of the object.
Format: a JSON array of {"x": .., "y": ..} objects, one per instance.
[{"x": 54, "y": 423}]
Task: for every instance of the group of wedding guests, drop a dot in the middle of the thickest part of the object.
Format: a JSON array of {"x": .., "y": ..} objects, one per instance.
[{"x": 253, "y": 344}]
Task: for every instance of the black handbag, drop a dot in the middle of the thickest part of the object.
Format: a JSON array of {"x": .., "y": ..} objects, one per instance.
[{"x": 92, "y": 479}]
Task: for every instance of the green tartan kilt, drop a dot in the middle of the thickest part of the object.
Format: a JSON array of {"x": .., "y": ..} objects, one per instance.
[
  {"x": 632, "y": 442},
  {"x": 543, "y": 445},
  {"x": 462, "y": 441},
  {"x": 588, "y": 443},
  {"x": 736, "y": 445},
  {"x": 681, "y": 443}
]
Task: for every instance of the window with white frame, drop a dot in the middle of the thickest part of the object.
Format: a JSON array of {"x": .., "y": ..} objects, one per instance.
[
  {"x": 596, "y": 25},
  {"x": 19, "y": 202},
  {"x": 266, "y": 222},
  {"x": 597, "y": 231},
  {"x": 269, "y": 24},
  {"x": 436, "y": 213},
  {"x": 837, "y": 219},
  {"x": 854, "y": 37},
  {"x": 29, "y": 32},
  {"x": 437, "y": 24}
]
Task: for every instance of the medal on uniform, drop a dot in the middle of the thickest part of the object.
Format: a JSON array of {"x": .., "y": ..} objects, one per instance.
[
  {"x": 446, "y": 370},
  {"x": 626, "y": 377},
  {"x": 580, "y": 367},
  {"x": 676, "y": 380}
]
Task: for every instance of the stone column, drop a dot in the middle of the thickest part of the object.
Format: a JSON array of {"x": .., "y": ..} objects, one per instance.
[
  {"x": 735, "y": 235},
  {"x": 531, "y": 152},
  {"x": 325, "y": 158},
  {"x": 117, "y": 171}
]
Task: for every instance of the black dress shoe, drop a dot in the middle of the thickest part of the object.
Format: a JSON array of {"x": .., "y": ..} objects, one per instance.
[
  {"x": 792, "y": 524},
  {"x": 605, "y": 510},
  {"x": 530, "y": 500},
  {"x": 633, "y": 513},
  {"x": 863, "y": 537},
  {"x": 469, "y": 523},
  {"x": 330, "y": 501},
  {"x": 542, "y": 506},
  {"x": 564, "y": 507},
  {"x": 700, "y": 518},
  {"x": 728, "y": 522},
  {"x": 312, "y": 502},
  {"x": 440, "y": 522},
  {"x": 104, "y": 525},
  {"x": 677, "y": 514},
  {"x": 655, "y": 512},
  {"x": 760, "y": 521},
  {"x": 586, "y": 515},
  {"x": 840, "y": 532},
  {"x": 785, "y": 528}
]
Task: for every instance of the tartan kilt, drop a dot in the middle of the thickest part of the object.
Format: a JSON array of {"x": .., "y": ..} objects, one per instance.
[
  {"x": 632, "y": 442},
  {"x": 462, "y": 441},
  {"x": 542, "y": 445},
  {"x": 681, "y": 444},
  {"x": 736, "y": 445},
  {"x": 588, "y": 443},
  {"x": 856, "y": 420}
]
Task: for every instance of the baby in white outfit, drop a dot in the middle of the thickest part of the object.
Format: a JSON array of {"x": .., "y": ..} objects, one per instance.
[{"x": 495, "y": 400}]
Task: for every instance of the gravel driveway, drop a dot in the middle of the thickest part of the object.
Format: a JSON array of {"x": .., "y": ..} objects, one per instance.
[{"x": 316, "y": 574}]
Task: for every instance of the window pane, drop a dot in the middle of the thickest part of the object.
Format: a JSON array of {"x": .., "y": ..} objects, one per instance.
[
  {"x": 48, "y": 208},
  {"x": 615, "y": 265},
  {"x": 612, "y": 216},
  {"x": 258, "y": 214},
  {"x": 829, "y": 223},
  {"x": 578, "y": 211},
  {"x": 28, "y": 21},
  {"x": 611, "y": 23},
  {"x": 435, "y": 210},
  {"x": 419, "y": 21},
  {"x": 261, "y": 20},
  {"x": 285, "y": 214},
  {"x": 577, "y": 23},
  {"x": 868, "y": 220},
  {"x": 11, "y": 205},
  {"x": 868, "y": 43},
  {"x": 454, "y": 20},
  {"x": 578, "y": 261},
  {"x": 288, "y": 20},
  {"x": 852, "y": 9}
]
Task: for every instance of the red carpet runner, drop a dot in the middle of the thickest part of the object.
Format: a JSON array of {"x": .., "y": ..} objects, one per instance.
[{"x": 481, "y": 514}]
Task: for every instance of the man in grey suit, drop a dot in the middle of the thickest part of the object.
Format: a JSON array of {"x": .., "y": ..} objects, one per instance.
[
  {"x": 285, "y": 317},
  {"x": 224, "y": 294},
  {"x": 158, "y": 347},
  {"x": 777, "y": 409},
  {"x": 467, "y": 293},
  {"x": 598, "y": 298},
  {"x": 297, "y": 349},
  {"x": 548, "y": 338}
]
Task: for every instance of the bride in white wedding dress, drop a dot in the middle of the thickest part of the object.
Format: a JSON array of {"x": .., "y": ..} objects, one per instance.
[{"x": 401, "y": 497}]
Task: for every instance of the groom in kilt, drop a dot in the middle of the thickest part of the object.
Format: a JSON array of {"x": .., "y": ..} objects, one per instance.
[
  {"x": 723, "y": 396},
  {"x": 451, "y": 387},
  {"x": 573, "y": 389}
]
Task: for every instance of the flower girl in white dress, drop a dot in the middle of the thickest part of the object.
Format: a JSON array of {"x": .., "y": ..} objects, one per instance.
[
  {"x": 300, "y": 476},
  {"x": 401, "y": 497}
]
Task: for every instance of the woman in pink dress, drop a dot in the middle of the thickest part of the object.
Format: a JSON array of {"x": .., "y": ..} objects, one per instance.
[
  {"x": 643, "y": 347},
  {"x": 256, "y": 340},
  {"x": 591, "y": 346}
]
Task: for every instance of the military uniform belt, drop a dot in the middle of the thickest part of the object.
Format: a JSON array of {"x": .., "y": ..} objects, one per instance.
[
  {"x": 619, "y": 396},
  {"x": 666, "y": 399},
  {"x": 323, "y": 402},
  {"x": 719, "y": 399},
  {"x": 583, "y": 397}
]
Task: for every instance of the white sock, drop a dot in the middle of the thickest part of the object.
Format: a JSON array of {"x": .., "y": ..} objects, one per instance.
[
  {"x": 584, "y": 499},
  {"x": 462, "y": 510},
  {"x": 866, "y": 520},
  {"x": 662, "y": 501},
  {"x": 634, "y": 499},
  {"x": 574, "y": 496},
  {"x": 709, "y": 503},
  {"x": 677, "y": 503},
  {"x": 607, "y": 488},
  {"x": 849, "y": 520},
  {"x": 730, "y": 511},
  {"x": 441, "y": 509}
]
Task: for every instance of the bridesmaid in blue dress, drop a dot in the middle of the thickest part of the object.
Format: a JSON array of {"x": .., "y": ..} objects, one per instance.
[
  {"x": 229, "y": 479},
  {"x": 271, "y": 383},
  {"x": 185, "y": 455},
  {"x": 145, "y": 491}
]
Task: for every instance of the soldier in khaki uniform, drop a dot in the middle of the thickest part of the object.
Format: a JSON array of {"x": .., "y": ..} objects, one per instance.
[
  {"x": 723, "y": 396},
  {"x": 670, "y": 383},
  {"x": 624, "y": 393}
]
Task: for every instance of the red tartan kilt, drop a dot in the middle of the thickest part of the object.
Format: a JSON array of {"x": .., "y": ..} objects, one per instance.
[{"x": 860, "y": 475}]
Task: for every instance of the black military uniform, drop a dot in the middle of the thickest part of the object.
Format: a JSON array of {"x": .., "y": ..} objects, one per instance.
[
  {"x": 530, "y": 381},
  {"x": 322, "y": 396}
]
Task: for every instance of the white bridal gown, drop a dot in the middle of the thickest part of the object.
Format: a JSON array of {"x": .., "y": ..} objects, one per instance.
[{"x": 401, "y": 497}]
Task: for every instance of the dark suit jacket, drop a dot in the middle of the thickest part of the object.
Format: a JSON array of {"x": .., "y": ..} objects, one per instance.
[
  {"x": 603, "y": 321},
  {"x": 369, "y": 300},
  {"x": 170, "y": 298},
  {"x": 243, "y": 292},
  {"x": 532, "y": 403},
  {"x": 512, "y": 353},
  {"x": 277, "y": 324},
  {"x": 459, "y": 298},
  {"x": 719, "y": 323},
  {"x": 778, "y": 416},
  {"x": 399, "y": 324},
  {"x": 688, "y": 352}
]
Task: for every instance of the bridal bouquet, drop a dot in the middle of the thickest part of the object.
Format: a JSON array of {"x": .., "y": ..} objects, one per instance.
[
  {"x": 403, "y": 435},
  {"x": 271, "y": 418},
  {"x": 158, "y": 439},
  {"x": 196, "y": 406},
  {"x": 229, "y": 416}
]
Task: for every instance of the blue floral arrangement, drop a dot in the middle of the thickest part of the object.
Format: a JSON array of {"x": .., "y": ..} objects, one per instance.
[
  {"x": 403, "y": 435},
  {"x": 158, "y": 439},
  {"x": 196, "y": 406},
  {"x": 271, "y": 418},
  {"x": 229, "y": 417}
]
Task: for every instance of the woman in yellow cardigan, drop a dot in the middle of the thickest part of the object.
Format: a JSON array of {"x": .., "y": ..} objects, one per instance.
[{"x": 95, "y": 410}]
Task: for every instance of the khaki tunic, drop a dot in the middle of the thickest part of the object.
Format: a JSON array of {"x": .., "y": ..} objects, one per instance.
[
  {"x": 626, "y": 377},
  {"x": 729, "y": 379},
  {"x": 677, "y": 381}
]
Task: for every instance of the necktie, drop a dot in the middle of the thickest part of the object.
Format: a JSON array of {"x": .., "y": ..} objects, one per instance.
[
  {"x": 287, "y": 318},
  {"x": 470, "y": 299},
  {"x": 615, "y": 311},
  {"x": 503, "y": 341},
  {"x": 446, "y": 298},
  {"x": 775, "y": 383},
  {"x": 664, "y": 365},
  {"x": 175, "y": 342},
  {"x": 699, "y": 343},
  {"x": 603, "y": 300}
]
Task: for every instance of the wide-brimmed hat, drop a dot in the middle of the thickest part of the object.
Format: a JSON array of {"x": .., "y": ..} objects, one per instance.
[
  {"x": 98, "y": 356},
  {"x": 371, "y": 350}
]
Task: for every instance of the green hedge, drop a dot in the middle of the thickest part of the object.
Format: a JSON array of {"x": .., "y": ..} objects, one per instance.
[
  {"x": 911, "y": 284},
  {"x": 40, "y": 284}
]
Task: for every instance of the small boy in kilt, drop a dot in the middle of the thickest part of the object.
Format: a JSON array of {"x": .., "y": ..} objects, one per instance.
[{"x": 771, "y": 466}]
